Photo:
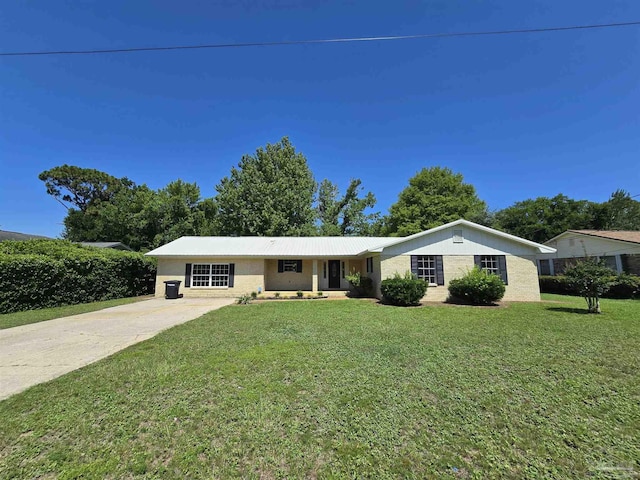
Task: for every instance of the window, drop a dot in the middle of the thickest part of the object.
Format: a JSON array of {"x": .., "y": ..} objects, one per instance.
[
  {"x": 610, "y": 262},
  {"x": 489, "y": 263},
  {"x": 457, "y": 236},
  {"x": 427, "y": 268},
  {"x": 210, "y": 275},
  {"x": 290, "y": 265},
  {"x": 545, "y": 267},
  {"x": 369, "y": 264},
  {"x": 496, "y": 264},
  {"x": 294, "y": 266}
]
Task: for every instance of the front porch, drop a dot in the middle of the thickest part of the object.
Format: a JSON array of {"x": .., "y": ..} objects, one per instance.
[{"x": 309, "y": 275}]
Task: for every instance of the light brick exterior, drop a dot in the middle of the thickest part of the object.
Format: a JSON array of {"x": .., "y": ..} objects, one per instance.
[
  {"x": 249, "y": 275},
  {"x": 522, "y": 275}
]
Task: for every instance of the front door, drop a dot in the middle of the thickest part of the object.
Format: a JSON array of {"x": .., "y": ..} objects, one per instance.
[{"x": 334, "y": 273}]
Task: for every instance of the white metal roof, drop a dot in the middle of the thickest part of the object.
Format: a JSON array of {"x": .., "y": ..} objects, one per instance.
[
  {"x": 541, "y": 248},
  {"x": 280, "y": 247},
  {"x": 300, "y": 247}
]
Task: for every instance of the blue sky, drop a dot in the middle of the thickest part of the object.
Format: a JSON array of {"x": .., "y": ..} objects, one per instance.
[{"x": 519, "y": 116}]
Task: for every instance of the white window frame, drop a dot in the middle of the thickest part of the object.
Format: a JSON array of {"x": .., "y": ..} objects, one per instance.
[
  {"x": 490, "y": 264},
  {"x": 216, "y": 273},
  {"x": 427, "y": 269},
  {"x": 290, "y": 266}
]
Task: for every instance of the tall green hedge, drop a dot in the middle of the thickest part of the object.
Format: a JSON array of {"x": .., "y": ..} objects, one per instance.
[
  {"x": 622, "y": 285},
  {"x": 49, "y": 273}
]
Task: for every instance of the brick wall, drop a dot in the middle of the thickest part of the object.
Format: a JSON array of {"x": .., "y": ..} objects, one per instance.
[
  {"x": 249, "y": 275},
  {"x": 522, "y": 274}
]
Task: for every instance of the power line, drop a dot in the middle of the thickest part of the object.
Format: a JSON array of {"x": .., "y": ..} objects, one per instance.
[{"x": 327, "y": 40}]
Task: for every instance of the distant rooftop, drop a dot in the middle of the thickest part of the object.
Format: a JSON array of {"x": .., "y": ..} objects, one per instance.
[
  {"x": 632, "y": 236},
  {"x": 6, "y": 235}
]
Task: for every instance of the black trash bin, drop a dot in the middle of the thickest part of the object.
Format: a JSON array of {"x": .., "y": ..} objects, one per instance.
[{"x": 172, "y": 289}]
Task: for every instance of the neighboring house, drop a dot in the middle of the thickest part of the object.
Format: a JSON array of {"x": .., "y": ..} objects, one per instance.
[
  {"x": 231, "y": 266},
  {"x": 6, "y": 235},
  {"x": 114, "y": 245},
  {"x": 620, "y": 250}
]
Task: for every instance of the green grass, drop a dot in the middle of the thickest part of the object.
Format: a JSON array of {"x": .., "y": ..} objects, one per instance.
[
  {"x": 348, "y": 389},
  {"x": 8, "y": 320}
]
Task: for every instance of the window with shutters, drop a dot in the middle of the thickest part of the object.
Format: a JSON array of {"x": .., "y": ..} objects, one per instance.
[
  {"x": 427, "y": 268},
  {"x": 210, "y": 275}
]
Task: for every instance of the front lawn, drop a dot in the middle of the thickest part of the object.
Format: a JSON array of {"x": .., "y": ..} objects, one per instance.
[
  {"x": 348, "y": 389},
  {"x": 8, "y": 320}
]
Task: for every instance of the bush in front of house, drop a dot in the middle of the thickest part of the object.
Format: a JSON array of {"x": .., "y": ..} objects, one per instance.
[
  {"x": 50, "y": 273},
  {"x": 555, "y": 284},
  {"x": 403, "y": 291},
  {"x": 477, "y": 287},
  {"x": 624, "y": 286},
  {"x": 361, "y": 286},
  {"x": 621, "y": 286}
]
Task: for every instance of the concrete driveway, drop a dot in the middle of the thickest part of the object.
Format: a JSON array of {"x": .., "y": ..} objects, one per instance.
[{"x": 39, "y": 352}]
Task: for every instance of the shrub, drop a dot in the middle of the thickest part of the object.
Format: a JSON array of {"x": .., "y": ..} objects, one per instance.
[
  {"x": 49, "y": 273},
  {"x": 254, "y": 295},
  {"x": 555, "y": 284},
  {"x": 244, "y": 299},
  {"x": 403, "y": 290},
  {"x": 477, "y": 287},
  {"x": 360, "y": 286},
  {"x": 277, "y": 295},
  {"x": 590, "y": 279},
  {"x": 624, "y": 286},
  {"x": 299, "y": 294},
  {"x": 320, "y": 293}
]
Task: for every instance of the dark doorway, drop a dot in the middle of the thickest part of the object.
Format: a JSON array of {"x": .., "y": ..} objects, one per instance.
[{"x": 334, "y": 273}]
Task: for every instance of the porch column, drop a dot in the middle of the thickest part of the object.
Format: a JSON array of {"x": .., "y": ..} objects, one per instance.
[{"x": 314, "y": 278}]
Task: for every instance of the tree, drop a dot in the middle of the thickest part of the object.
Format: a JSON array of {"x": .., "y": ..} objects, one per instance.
[
  {"x": 543, "y": 218},
  {"x": 270, "y": 193},
  {"x": 620, "y": 212},
  {"x": 434, "y": 196},
  {"x": 85, "y": 187},
  {"x": 590, "y": 279},
  {"x": 344, "y": 215},
  {"x": 115, "y": 209}
]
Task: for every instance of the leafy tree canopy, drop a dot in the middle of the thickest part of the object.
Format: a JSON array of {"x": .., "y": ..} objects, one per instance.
[
  {"x": 434, "y": 196},
  {"x": 84, "y": 187},
  {"x": 543, "y": 218},
  {"x": 620, "y": 212},
  {"x": 344, "y": 215},
  {"x": 270, "y": 193}
]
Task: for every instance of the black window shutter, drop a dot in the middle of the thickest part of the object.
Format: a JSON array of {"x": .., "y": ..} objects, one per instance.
[
  {"x": 280, "y": 266},
  {"x": 414, "y": 264},
  {"x": 299, "y": 266},
  {"x": 187, "y": 275},
  {"x": 439, "y": 270},
  {"x": 371, "y": 262},
  {"x": 232, "y": 272},
  {"x": 502, "y": 265},
  {"x": 477, "y": 261}
]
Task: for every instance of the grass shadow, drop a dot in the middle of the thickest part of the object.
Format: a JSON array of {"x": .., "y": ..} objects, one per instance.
[{"x": 582, "y": 311}]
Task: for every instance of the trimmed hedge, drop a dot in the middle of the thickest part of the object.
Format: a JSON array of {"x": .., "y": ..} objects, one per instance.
[
  {"x": 477, "y": 287},
  {"x": 403, "y": 291},
  {"x": 50, "y": 273},
  {"x": 622, "y": 286}
]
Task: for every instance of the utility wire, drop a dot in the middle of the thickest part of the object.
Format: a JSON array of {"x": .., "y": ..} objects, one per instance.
[{"x": 327, "y": 40}]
